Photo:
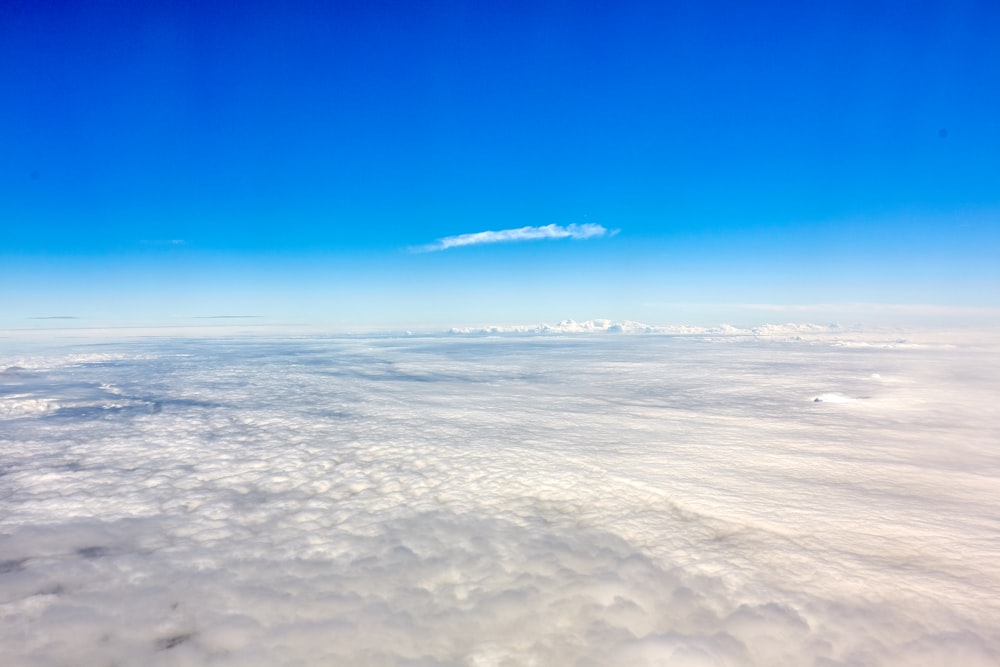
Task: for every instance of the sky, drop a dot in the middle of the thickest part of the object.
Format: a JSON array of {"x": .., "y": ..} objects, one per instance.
[{"x": 383, "y": 164}]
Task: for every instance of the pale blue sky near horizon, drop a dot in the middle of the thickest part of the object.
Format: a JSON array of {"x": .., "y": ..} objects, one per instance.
[{"x": 299, "y": 161}]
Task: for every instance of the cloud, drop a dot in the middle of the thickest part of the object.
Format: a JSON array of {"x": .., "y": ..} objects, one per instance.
[
  {"x": 832, "y": 334},
  {"x": 163, "y": 242},
  {"x": 933, "y": 310},
  {"x": 462, "y": 501},
  {"x": 574, "y": 231}
]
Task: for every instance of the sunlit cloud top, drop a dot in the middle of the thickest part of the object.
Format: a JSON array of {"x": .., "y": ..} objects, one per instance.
[
  {"x": 387, "y": 500},
  {"x": 574, "y": 231}
]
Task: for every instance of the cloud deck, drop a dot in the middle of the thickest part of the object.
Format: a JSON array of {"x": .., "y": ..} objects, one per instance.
[{"x": 499, "y": 500}]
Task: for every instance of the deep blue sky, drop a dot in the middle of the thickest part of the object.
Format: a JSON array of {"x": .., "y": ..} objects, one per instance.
[{"x": 282, "y": 158}]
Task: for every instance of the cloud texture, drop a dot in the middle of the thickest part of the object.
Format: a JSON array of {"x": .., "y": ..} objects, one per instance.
[
  {"x": 551, "y": 500},
  {"x": 574, "y": 231}
]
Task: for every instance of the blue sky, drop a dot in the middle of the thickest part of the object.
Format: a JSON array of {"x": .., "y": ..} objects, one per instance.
[{"x": 285, "y": 159}]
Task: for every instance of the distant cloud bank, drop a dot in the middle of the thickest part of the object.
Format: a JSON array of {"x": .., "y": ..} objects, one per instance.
[
  {"x": 574, "y": 231},
  {"x": 630, "y": 326},
  {"x": 833, "y": 334}
]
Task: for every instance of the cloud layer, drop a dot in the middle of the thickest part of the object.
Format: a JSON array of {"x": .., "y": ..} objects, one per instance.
[
  {"x": 574, "y": 231},
  {"x": 831, "y": 334},
  {"x": 505, "y": 500}
]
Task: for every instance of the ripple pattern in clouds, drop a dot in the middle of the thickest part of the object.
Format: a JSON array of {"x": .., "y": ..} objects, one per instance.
[{"x": 499, "y": 501}]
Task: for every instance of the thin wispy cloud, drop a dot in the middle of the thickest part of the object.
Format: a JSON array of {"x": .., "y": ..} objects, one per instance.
[
  {"x": 163, "y": 242},
  {"x": 574, "y": 231}
]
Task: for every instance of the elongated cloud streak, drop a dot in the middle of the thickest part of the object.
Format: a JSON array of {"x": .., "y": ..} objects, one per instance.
[{"x": 574, "y": 231}]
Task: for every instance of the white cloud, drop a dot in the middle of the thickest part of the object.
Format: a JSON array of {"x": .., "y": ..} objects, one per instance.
[
  {"x": 162, "y": 242},
  {"x": 549, "y": 500},
  {"x": 833, "y": 334},
  {"x": 574, "y": 231}
]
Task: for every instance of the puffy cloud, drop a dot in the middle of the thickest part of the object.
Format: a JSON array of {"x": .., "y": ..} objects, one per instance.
[
  {"x": 574, "y": 231},
  {"x": 854, "y": 336},
  {"x": 450, "y": 500}
]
